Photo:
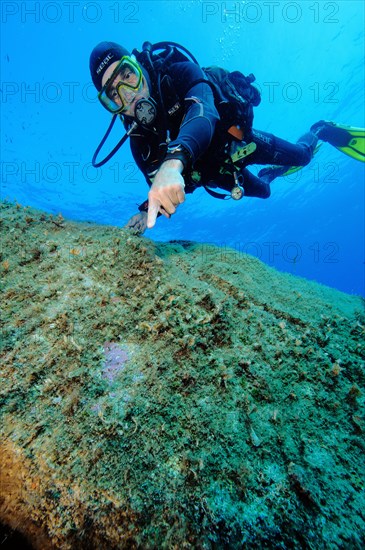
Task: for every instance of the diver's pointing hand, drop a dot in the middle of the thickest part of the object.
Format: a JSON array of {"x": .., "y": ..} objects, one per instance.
[{"x": 167, "y": 191}]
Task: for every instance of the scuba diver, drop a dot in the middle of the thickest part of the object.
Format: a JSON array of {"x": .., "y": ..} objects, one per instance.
[{"x": 190, "y": 127}]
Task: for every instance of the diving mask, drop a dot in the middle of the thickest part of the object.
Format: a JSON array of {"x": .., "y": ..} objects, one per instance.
[{"x": 122, "y": 86}]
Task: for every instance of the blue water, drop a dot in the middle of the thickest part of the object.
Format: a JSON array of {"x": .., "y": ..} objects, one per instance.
[{"x": 308, "y": 61}]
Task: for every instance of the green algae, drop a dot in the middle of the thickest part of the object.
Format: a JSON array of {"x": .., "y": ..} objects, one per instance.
[{"x": 236, "y": 420}]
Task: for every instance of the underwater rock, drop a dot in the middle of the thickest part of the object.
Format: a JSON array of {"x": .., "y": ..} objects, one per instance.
[{"x": 164, "y": 395}]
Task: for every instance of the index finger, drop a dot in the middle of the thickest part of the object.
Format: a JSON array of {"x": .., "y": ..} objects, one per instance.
[{"x": 153, "y": 210}]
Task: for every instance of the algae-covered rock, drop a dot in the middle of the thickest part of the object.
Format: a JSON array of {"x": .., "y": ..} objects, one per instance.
[{"x": 173, "y": 395}]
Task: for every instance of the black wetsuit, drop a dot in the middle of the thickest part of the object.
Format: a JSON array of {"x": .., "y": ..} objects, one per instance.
[{"x": 188, "y": 119}]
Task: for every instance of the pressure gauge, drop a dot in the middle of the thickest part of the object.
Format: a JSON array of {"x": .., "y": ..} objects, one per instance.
[{"x": 237, "y": 192}]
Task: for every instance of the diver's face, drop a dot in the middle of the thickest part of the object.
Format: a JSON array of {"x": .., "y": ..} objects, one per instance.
[{"x": 124, "y": 90}]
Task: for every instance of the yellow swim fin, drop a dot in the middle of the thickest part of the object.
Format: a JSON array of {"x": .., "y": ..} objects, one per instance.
[{"x": 347, "y": 139}]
